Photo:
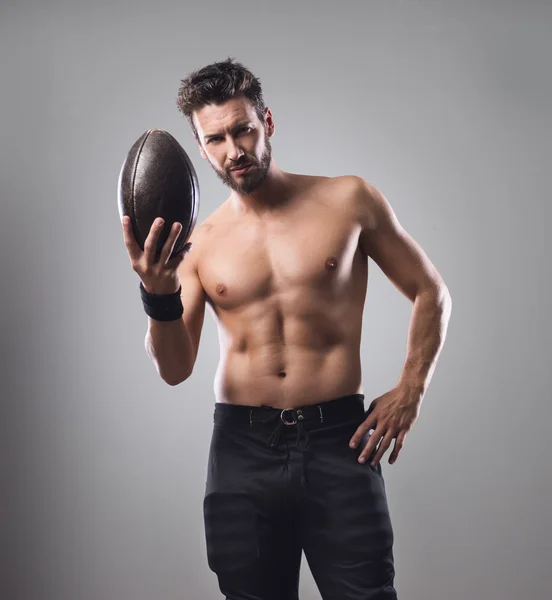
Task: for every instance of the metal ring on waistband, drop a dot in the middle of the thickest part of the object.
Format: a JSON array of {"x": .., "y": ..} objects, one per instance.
[{"x": 294, "y": 422}]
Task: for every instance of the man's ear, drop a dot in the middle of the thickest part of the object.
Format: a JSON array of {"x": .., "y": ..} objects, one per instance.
[{"x": 269, "y": 122}]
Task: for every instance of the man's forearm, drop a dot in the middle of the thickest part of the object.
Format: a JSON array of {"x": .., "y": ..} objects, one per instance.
[
  {"x": 169, "y": 345},
  {"x": 428, "y": 327}
]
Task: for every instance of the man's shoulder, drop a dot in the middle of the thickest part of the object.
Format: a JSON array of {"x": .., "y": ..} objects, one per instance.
[
  {"x": 356, "y": 197},
  {"x": 202, "y": 230},
  {"x": 350, "y": 180},
  {"x": 198, "y": 239},
  {"x": 341, "y": 184},
  {"x": 348, "y": 184},
  {"x": 361, "y": 192},
  {"x": 352, "y": 183},
  {"x": 351, "y": 193}
]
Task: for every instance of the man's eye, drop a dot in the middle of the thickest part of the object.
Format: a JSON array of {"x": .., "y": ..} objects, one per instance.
[{"x": 244, "y": 129}]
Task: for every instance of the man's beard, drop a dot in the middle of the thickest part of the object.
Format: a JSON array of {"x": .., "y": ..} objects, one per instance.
[{"x": 251, "y": 180}]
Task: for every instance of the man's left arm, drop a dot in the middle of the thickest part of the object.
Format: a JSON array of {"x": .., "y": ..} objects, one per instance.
[{"x": 406, "y": 265}]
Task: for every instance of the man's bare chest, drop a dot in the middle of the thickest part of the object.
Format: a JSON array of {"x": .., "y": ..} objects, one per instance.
[{"x": 246, "y": 262}]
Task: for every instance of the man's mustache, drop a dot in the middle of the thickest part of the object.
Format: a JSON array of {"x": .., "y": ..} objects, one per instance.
[{"x": 240, "y": 164}]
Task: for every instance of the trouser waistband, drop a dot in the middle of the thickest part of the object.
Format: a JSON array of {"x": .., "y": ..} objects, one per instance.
[{"x": 327, "y": 412}]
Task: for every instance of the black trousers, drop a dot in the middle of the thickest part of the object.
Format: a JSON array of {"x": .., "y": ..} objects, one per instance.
[{"x": 283, "y": 482}]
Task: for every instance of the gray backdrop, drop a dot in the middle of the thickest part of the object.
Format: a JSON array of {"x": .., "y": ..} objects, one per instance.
[{"x": 445, "y": 106}]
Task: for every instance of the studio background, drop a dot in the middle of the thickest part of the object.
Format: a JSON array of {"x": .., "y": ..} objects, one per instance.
[{"x": 445, "y": 107}]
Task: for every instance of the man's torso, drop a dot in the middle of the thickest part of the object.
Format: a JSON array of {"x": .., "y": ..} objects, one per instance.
[{"x": 287, "y": 292}]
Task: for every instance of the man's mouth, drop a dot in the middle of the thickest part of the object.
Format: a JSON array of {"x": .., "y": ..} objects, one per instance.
[{"x": 241, "y": 169}]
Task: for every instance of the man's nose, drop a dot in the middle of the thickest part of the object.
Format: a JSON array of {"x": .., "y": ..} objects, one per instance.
[{"x": 234, "y": 151}]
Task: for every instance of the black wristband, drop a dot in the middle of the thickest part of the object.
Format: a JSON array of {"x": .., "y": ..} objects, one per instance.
[{"x": 162, "y": 307}]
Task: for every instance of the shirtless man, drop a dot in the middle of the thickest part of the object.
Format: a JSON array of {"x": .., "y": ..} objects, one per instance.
[{"x": 283, "y": 266}]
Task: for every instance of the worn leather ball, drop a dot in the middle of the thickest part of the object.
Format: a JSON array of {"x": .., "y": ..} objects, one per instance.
[{"x": 157, "y": 179}]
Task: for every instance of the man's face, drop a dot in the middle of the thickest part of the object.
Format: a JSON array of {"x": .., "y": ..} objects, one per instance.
[{"x": 231, "y": 136}]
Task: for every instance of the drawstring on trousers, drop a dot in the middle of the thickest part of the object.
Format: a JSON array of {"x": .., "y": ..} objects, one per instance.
[{"x": 274, "y": 438}]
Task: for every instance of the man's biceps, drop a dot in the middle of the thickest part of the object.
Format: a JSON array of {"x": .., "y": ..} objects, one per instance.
[
  {"x": 404, "y": 262},
  {"x": 193, "y": 300}
]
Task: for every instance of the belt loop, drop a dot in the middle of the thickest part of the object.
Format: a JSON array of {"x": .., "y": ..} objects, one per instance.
[
  {"x": 321, "y": 416},
  {"x": 251, "y": 417}
]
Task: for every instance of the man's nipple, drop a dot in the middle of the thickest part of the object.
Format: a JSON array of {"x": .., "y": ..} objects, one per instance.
[{"x": 331, "y": 263}]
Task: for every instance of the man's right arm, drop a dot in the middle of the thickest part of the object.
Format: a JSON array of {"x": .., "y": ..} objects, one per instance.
[{"x": 173, "y": 345}]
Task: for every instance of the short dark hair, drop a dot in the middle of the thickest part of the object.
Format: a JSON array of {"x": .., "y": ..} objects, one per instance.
[{"x": 215, "y": 84}]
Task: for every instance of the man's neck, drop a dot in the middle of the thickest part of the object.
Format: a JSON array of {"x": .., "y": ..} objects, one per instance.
[{"x": 272, "y": 194}]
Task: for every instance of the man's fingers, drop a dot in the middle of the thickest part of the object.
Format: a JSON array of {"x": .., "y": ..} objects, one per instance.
[
  {"x": 399, "y": 442},
  {"x": 370, "y": 447},
  {"x": 386, "y": 442},
  {"x": 150, "y": 245},
  {"x": 131, "y": 244},
  {"x": 167, "y": 249},
  {"x": 363, "y": 428}
]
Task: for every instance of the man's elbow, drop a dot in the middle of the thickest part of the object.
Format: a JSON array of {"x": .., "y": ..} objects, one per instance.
[
  {"x": 440, "y": 294},
  {"x": 173, "y": 381},
  {"x": 443, "y": 301},
  {"x": 445, "y": 298},
  {"x": 174, "y": 377}
]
